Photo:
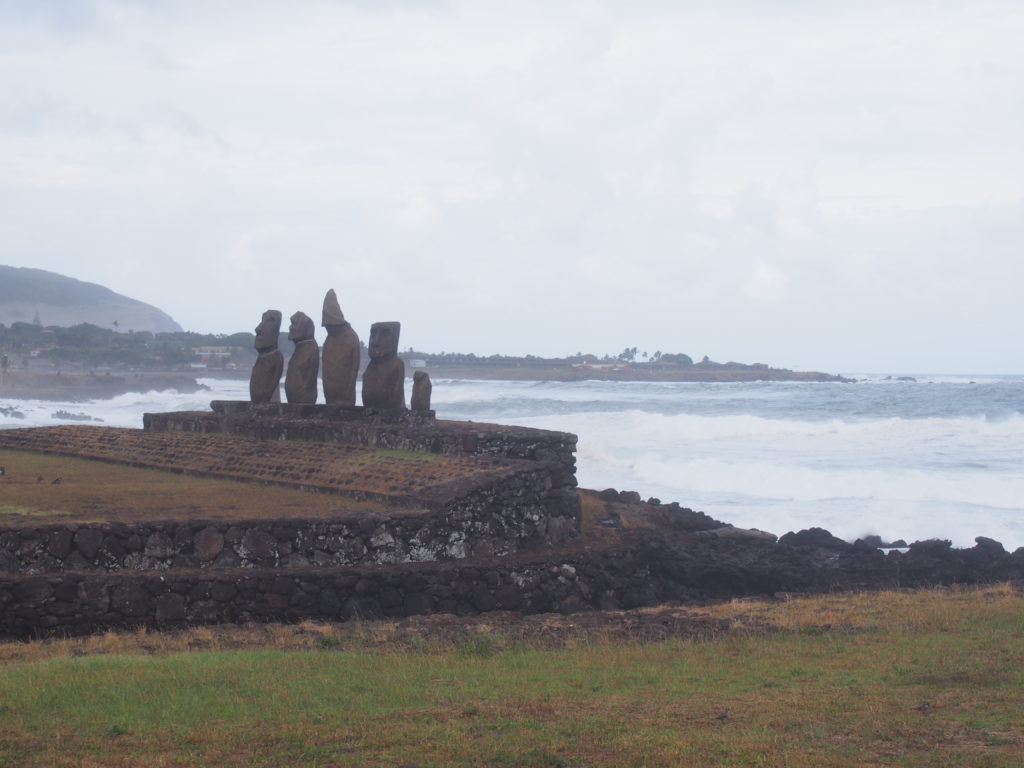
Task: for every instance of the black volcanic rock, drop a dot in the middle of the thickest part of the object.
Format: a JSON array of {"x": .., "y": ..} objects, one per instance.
[
  {"x": 985, "y": 544},
  {"x": 874, "y": 540},
  {"x": 818, "y": 538}
]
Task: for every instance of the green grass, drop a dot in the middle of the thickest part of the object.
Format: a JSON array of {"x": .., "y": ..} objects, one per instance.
[
  {"x": 837, "y": 696},
  {"x": 401, "y": 454}
]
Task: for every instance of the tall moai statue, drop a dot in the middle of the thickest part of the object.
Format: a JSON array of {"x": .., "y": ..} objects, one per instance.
[
  {"x": 265, "y": 379},
  {"x": 421, "y": 389},
  {"x": 304, "y": 365},
  {"x": 340, "y": 354},
  {"x": 384, "y": 377}
]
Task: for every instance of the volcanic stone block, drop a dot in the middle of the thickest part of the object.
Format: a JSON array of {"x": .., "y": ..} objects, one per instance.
[
  {"x": 58, "y": 543},
  {"x": 170, "y": 608},
  {"x": 88, "y": 542},
  {"x": 258, "y": 545},
  {"x": 330, "y": 603},
  {"x": 129, "y": 599},
  {"x": 222, "y": 591},
  {"x": 159, "y": 544},
  {"x": 33, "y": 592},
  {"x": 208, "y": 543}
]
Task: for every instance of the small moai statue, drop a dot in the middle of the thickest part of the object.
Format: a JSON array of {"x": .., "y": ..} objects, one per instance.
[
  {"x": 384, "y": 377},
  {"x": 265, "y": 379},
  {"x": 304, "y": 365},
  {"x": 340, "y": 354},
  {"x": 421, "y": 388}
]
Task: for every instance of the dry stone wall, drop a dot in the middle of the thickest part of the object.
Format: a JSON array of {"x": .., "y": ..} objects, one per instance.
[
  {"x": 548, "y": 495},
  {"x": 79, "y": 603},
  {"x": 491, "y": 519},
  {"x": 648, "y": 567}
]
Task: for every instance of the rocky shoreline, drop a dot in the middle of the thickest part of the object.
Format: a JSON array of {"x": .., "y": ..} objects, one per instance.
[{"x": 693, "y": 558}]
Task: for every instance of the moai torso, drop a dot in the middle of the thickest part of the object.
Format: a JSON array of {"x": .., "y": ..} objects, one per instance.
[
  {"x": 384, "y": 377},
  {"x": 340, "y": 355},
  {"x": 304, "y": 364},
  {"x": 265, "y": 379}
]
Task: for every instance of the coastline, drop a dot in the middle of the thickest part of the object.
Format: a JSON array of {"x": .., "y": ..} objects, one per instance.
[
  {"x": 696, "y": 373},
  {"x": 26, "y": 385},
  {"x": 77, "y": 386}
]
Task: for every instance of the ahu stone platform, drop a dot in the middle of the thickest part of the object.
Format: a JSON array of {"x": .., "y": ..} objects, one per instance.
[{"x": 435, "y": 492}]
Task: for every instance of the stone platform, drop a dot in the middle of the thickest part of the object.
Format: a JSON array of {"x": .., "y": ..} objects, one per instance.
[
  {"x": 398, "y": 428},
  {"x": 441, "y": 491}
]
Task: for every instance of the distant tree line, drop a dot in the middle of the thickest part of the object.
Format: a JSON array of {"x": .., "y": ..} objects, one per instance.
[
  {"x": 91, "y": 346},
  {"x": 628, "y": 355}
]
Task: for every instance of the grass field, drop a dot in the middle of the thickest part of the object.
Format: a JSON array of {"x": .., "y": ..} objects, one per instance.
[{"x": 817, "y": 681}]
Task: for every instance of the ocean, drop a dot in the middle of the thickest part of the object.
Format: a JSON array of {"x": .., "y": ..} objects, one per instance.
[{"x": 936, "y": 457}]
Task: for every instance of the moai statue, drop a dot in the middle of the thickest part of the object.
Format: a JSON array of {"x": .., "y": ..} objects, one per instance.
[
  {"x": 265, "y": 379},
  {"x": 384, "y": 377},
  {"x": 341, "y": 355},
  {"x": 304, "y": 365},
  {"x": 421, "y": 388}
]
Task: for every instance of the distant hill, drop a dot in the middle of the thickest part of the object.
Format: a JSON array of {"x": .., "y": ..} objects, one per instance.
[{"x": 27, "y": 294}]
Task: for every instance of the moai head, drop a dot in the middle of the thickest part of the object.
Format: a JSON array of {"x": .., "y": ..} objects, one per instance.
[
  {"x": 332, "y": 319},
  {"x": 384, "y": 340},
  {"x": 267, "y": 331},
  {"x": 301, "y": 328}
]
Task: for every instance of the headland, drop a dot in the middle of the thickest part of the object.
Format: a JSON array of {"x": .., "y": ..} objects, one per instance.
[{"x": 724, "y": 373}]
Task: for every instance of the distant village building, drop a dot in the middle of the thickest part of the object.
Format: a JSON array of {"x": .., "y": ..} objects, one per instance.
[
  {"x": 601, "y": 366},
  {"x": 418, "y": 363},
  {"x": 214, "y": 357}
]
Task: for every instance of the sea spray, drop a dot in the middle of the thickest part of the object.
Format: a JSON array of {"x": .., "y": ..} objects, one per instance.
[{"x": 940, "y": 457}]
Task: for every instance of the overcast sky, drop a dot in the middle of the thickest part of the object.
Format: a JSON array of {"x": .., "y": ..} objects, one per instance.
[{"x": 822, "y": 185}]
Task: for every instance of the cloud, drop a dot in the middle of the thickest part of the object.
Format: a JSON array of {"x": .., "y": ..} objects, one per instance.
[
  {"x": 605, "y": 174},
  {"x": 766, "y": 282}
]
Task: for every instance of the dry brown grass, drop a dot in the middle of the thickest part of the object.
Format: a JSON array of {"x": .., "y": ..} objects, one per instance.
[
  {"x": 96, "y": 491},
  {"x": 327, "y": 467},
  {"x": 592, "y": 512},
  {"x": 924, "y": 610}
]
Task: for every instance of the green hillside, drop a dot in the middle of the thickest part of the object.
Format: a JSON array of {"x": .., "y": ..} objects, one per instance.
[{"x": 55, "y": 300}]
